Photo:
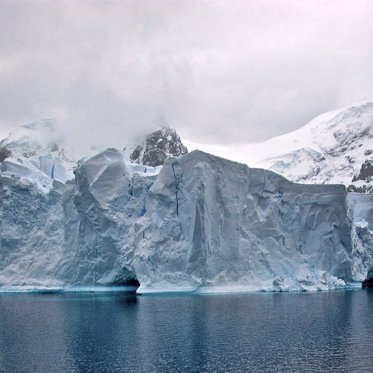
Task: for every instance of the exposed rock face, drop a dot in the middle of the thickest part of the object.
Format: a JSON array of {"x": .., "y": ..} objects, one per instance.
[
  {"x": 158, "y": 146},
  {"x": 202, "y": 223},
  {"x": 366, "y": 171},
  {"x": 4, "y": 153}
]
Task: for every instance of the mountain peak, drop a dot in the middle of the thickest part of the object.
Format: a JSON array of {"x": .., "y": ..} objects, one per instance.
[{"x": 159, "y": 145}]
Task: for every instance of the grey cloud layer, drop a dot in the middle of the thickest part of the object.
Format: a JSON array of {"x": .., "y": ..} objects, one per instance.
[{"x": 219, "y": 71}]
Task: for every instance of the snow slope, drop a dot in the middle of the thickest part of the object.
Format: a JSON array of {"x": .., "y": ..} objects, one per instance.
[{"x": 332, "y": 148}]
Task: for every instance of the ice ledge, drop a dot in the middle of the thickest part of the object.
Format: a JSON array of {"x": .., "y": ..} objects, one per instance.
[
  {"x": 69, "y": 289},
  {"x": 268, "y": 286}
]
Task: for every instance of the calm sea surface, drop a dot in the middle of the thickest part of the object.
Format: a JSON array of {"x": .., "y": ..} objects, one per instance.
[{"x": 307, "y": 332}]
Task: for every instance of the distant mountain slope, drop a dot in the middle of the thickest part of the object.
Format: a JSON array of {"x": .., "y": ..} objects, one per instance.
[
  {"x": 34, "y": 138},
  {"x": 335, "y": 147}
]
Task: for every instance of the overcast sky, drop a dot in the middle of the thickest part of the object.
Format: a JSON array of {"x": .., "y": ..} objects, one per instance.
[{"x": 220, "y": 72}]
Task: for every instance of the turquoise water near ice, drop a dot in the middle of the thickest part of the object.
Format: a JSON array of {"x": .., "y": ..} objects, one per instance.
[{"x": 271, "y": 332}]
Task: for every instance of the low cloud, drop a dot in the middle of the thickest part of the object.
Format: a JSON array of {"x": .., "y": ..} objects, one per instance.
[{"x": 220, "y": 71}]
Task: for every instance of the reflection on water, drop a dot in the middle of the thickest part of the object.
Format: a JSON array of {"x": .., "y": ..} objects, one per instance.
[{"x": 313, "y": 332}]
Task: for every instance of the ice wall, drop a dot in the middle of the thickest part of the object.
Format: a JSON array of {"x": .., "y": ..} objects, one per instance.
[
  {"x": 77, "y": 233},
  {"x": 203, "y": 223},
  {"x": 361, "y": 212},
  {"x": 218, "y": 224}
]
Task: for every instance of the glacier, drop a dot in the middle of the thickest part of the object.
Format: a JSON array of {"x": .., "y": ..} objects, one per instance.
[{"x": 199, "y": 223}]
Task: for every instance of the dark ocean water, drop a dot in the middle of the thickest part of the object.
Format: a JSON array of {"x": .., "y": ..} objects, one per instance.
[{"x": 306, "y": 332}]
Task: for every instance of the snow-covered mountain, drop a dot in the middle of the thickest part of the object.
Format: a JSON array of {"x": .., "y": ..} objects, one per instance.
[
  {"x": 334, "y": 148},
  {"x": 33, "y": 139}
]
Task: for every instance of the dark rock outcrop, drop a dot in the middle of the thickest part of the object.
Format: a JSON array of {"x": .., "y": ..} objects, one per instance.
[
  {"x": 366, "y": 171},
  {"x": 158, "y": 146},
  {"x": 4, "y": 154},
  {"x": 363, "y": 180}
]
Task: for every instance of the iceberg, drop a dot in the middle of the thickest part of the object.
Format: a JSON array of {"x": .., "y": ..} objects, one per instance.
[
  {"x": 199, "y": 223},
  {"x": 216, "y": 224}
]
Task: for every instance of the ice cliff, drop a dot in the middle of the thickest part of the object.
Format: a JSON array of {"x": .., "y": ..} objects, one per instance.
[
  {"x": 201, "y": 223},
  {"x": 212, "y": 224}
]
